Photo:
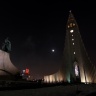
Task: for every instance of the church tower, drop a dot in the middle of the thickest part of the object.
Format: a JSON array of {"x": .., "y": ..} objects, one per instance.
[{"x": 77, "y": 66}]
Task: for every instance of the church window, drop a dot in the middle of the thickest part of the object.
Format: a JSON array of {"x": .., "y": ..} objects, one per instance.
[
  {"x": 73, "y": 24},
  {"x": 71, "y": 31},
  {"x": 72, "y": 39},
  {"x": 76, "y": 70},
  {"x": 70, "y": 24}
]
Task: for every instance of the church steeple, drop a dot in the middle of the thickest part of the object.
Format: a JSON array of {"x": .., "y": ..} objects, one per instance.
[
  {"x": 71, "y": 15},
  {"x": 71, "y": 20}
]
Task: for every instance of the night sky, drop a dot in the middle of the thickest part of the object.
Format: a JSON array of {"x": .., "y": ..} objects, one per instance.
[{"x": 35, "y": 28}]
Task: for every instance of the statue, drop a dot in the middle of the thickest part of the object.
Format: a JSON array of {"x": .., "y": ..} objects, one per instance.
[{"x": 6, "y": 45}]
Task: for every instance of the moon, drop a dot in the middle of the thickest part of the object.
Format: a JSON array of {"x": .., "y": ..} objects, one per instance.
[{"x": 53, "y": 50}]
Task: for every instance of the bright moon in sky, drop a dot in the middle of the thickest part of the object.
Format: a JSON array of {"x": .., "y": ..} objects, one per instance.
[{"x": 53, "y": 50}]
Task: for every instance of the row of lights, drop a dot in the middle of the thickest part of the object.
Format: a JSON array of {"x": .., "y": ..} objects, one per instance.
[{"x": 71, "y": 31}]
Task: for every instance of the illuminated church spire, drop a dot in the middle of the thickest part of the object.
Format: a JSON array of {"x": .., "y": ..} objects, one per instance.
[{"x": 77, "y": 65}]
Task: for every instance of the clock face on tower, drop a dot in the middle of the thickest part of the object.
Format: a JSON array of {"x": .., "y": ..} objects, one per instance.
[{"x": 71, "y": 25}]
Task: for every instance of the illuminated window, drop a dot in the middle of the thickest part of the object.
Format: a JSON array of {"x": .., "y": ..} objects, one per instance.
[
  {"x": 71, "y": 31},
  {"x": 73, "y": 43},
  {"x": 23, "y": 71},
  {"x": 27, "y": 71},
  {"x": 74, "y": 52},
  {"x": 68, "y": 26},
  {"x": 73, "y": 24},
  {"x": 72, "y": 39},
  {"x": 76, "y": 70}
]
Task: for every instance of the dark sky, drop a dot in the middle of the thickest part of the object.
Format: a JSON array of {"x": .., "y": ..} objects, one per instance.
[{"x": 34, "y": 28}]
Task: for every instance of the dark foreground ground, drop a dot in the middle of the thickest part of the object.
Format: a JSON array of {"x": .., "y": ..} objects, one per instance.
[{"x": 44, "y": 89}]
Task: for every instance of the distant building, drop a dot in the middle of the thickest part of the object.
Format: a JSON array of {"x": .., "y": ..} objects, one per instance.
[
  {"x": 25, "y": 74},
  {"x": 76, "y": 66}
]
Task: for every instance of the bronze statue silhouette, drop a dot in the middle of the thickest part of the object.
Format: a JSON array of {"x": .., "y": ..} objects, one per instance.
[{"x": 6, "y": 45}]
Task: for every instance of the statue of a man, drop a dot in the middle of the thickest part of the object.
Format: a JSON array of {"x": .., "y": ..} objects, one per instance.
[{"x": 6, "y": 45}]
